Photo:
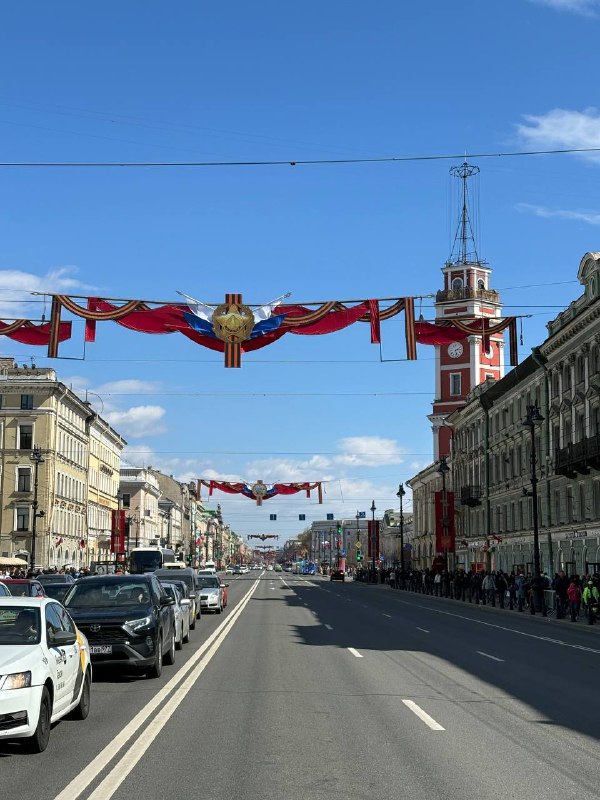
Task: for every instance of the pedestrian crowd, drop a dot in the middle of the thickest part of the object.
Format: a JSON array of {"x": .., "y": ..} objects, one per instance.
[
  {"x": 573, "y": 596},
  {"x": 19, "y": 572}
]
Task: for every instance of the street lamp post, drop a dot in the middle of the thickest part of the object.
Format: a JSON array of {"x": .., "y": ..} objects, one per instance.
[
  {"x": 400, "y": 494},
  {"x": 444, "y": 469},
  {"x": 373, "y": 541},
  {"x": 37, "y": 458},
  {"x": 533, "y": 419}
]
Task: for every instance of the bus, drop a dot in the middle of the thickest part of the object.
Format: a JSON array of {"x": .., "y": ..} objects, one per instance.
[{"x": 149, "y": 559}]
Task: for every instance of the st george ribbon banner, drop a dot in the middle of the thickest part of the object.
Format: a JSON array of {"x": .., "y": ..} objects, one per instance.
[{"x": 444, "y": 522}]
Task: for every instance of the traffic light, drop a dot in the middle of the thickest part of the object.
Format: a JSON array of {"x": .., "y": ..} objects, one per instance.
[
  {"x": 190, "y": 558},
  {"x": 358, "y": 552},
  {"x": 339, "y": 529}
]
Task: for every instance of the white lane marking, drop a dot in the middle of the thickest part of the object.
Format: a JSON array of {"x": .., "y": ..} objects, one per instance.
[
  {"x": 329, "y": 628},
  {"x": 423, "y": 629},
  {"x": 389, "y": 616},
  {"x": 487, "y": 655},
  {"x": 423, "y": 715},
  {"x": 93, "y": 769},
  {"x": 503, "y": 628},
  {"x": 354, "y": 652},
  {"x": 139, "y": 746}
]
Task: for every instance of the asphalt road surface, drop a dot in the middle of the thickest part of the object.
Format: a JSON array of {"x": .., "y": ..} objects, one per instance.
[{"x": 307, "y": 689}]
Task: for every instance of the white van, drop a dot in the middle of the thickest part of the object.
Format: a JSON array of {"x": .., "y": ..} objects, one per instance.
[{"x": 208, "y": 569}]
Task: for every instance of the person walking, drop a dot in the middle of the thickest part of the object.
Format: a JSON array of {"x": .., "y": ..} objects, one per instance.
[
  {"x": 520, "y": 590},
  {"x": 591, "y": 597},
  {"x": 502, "y": 586},
  {"x": 489, "y": 588},
  {"x": 574, "y": 595}
]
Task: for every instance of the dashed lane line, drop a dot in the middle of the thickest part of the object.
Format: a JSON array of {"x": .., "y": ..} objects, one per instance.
[
  {"x": 354, "y": 652},
  {"x": 487, "y": 655},
  {"x": 423, "y": 629},
  {"x": 389, "y": 616},
  {"x": 329, "y": 628},
  {"x": 423, "y": 716}
]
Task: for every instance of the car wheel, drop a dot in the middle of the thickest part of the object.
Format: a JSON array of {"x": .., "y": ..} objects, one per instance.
[
  {"x": 39, "y": 741},
  {"x": 179, "y": 642},
  {"x": 82, "y": 709},
  {"x": 155, "y": 670},
  {"x": 186, "y": 638},
  {"x": 193, "y": 622},
  {"x": 219, "y": 609},
  {"x": 170, "y": 654}
]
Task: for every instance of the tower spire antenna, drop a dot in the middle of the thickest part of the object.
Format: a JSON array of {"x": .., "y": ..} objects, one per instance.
[{"x": 464, "y": 249}]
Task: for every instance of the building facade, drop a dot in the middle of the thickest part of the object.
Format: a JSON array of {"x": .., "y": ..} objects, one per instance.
[
  {"x": 105, "y": 449},
  {"x": 139, "y": 493}
]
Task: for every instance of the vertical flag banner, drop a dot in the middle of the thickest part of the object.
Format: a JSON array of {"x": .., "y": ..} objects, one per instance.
[
  {"x": 373, "y": 533},
  {"x": 444, "y": 522}
]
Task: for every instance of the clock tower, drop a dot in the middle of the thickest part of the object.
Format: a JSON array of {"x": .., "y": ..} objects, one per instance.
[{"x": 466, "y": 295}]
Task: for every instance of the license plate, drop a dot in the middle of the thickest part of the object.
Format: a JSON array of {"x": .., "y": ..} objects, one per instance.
[{"x": 100, "y": 649}]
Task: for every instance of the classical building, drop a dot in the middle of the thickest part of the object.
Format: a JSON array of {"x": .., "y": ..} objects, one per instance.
[
  {"x": 139, "y": 494},
  {"x": 45, "y": 432},
  {"x": 389, "y": 538},
  {"x": 491, "y": 455}
]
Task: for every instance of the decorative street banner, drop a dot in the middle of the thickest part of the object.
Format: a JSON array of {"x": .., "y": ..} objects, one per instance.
[
  {"x": 444, "y": 522},
  {"x": 233, "y": 327},
  {"x": 260, "y": 491},
  {"x": 117, "y": 531},
  {"x": 373, "y": 538}
]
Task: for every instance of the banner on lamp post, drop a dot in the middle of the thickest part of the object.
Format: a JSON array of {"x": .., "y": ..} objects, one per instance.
[
  {"x": 117, "y": 531},
  {"x": 373, "y": 538},
  {"x": 444, "y": 522}
]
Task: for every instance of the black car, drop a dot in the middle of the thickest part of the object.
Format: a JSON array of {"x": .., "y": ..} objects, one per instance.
[
  {"x": 128, "y": 620},
  {"x": 337, "y": 574},
  {"x": 57, "y": 591},
  {"x": 55, "y": 577}
]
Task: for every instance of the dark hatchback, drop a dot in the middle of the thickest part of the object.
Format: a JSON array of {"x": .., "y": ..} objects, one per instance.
[
  {"x": 128, "y": 620},
  {"x": 57, "y": 591},
  {"x": 24, "y": 587},
  {"x": 337, "y": 574}
]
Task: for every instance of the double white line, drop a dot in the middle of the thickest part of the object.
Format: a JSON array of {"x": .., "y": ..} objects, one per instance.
[{"x": 195, "y": 666}]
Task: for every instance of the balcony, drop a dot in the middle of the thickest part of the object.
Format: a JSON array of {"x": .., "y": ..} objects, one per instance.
[
  {"x": 470, "y": 496},
  {"x": 466, "y": 293},
  {"x": 578, "y": 458}
]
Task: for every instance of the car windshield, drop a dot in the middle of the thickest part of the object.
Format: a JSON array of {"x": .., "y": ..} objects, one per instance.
[
  {"x": 94, "y": 594},
  {"x": 57, "y": 590},
  {"x": 19, "y": 625},
  {"x": 208, "y": 583}
]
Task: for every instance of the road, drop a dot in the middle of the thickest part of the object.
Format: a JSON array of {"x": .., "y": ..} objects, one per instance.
[{"x": 306, "y": 689}]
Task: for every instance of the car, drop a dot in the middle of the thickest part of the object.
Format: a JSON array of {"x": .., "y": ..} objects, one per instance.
[
  {"x": 24, "y": 587},
  {"x": 213, "y": 596},
  {"x": 128, "y": 619},
  {"x": 181, "y": 610},
  {"x": 55, "y": 577},
  {"x": 191, "y": 607},
  {"x": 208, "y": 567},
  {"x": 4, "y": 590},
  {"x": 46, "y": 666},
  {"x": 269, "y": 567},
  {"x": 229, "y": 570},
  {"x": 337, "y": 574},
  {"x": 278, "y": 568},
  {"x": 188, "y": 575},
  {"x": 237, "y": 570},
  {"x": 244, "y": 569},
  {"x": 57, "y": 591}
]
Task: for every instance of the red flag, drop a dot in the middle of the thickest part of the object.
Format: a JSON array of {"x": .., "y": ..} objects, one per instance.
[
  {"x": 444, "y": 522},
  {"x": 373, "y": 538}
]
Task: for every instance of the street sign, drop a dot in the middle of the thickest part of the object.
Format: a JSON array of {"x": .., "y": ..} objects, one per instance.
[
  {"x": 330, "y": 516},
  {"x": 362, "y": 514}
]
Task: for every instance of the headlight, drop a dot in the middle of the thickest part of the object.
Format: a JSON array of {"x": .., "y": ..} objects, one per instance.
[
  {"x": 18, "y": 680},
  {"x": 137, "y": 625}
]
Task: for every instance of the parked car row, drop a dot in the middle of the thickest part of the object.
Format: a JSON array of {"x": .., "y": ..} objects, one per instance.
[{"x": 48, "y": 644}]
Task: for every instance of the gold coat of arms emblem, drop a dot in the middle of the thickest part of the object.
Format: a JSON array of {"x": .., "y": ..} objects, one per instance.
[{"x": 233, "y": 322}]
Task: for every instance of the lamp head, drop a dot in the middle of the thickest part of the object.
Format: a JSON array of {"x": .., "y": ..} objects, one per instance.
[
  {"x": 401, "y": 491},
  {"x": 443, "y": 468},
  {"x": 373, "y": 506}
]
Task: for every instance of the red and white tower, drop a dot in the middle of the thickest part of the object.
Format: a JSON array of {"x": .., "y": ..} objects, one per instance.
[{"x": 462, "y": 365}]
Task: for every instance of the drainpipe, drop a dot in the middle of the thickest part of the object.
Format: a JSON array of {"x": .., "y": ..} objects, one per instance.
[{"x": 541, "y": 361}]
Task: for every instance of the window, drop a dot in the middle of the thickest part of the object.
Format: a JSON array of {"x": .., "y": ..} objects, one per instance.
[
  {"x": 24, "y": 479},
  {"x": 25, "y": 440},
  {"x": 557, "y": 508},
  {"x": 481, "y": 284},
  {"x": 582, "y": 502},
  {"x": 23, "y": 518},
  {"x": 569, "y": 505},
  {"x": 126, "y": 501},
  {"x": 457, "y": 285},
  {"x": 26, "y": 401},
  {"x": 580, "y": 369},
  {"x": 455, "y": 383}
]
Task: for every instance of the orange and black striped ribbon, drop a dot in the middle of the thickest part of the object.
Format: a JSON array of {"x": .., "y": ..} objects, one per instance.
[
  {"x": 514, "y": 352},
  {"x": 233, "y": 350},
  {"x": 54, "y": 327},
  {"x": 409, "y": 327}
]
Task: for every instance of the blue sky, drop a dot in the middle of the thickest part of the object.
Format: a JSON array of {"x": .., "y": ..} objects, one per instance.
[{"x": 149, "y": 81}]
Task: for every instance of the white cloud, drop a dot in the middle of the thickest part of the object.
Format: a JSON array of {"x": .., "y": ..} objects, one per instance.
[
  {"x": 586, "y": 7},
  {"x": 589, "y": 217},
  {"x": 562, "y": 129},
  {"x": 16, "y": 287},
  {"x": 128, "y": 386},
  {"x": 138, "y": 421},
  {"x": 369, "y": 451}
]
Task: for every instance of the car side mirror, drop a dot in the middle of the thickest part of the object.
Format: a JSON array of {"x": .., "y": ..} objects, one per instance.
[
  {"x": 185, "y": 601},
  {"x": 167, "y": 601},
  {"x": 226, "y": 585},
  {"x": 62, "y": 638}
]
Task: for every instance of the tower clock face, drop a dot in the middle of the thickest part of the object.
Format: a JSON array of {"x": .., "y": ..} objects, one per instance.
[{"x": 455, "y": 350}]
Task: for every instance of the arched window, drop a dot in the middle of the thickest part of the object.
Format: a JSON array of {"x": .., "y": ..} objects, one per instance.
[
  {"x": 481, "y": 283},
  {"x": 457, "y": 285}
]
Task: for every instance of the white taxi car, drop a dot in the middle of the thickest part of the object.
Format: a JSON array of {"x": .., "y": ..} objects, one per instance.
[{"x": 45, "y": 669}]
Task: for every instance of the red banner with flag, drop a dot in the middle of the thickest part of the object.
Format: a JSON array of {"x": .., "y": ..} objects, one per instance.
[
  {"x": 373, "y": 538},
  {"x": 117, "y": 532},
  {"x": 444, "y": 522}
]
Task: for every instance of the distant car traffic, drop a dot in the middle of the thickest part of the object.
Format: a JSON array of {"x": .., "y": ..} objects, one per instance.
[
  {"x": 229, "y": 569},
  {"x": 24, "y": 587},
  {"x": 337, "y": 574},
  {"x": 55, "y": 577},
  {"x": 46, "y": 669},
  {"x": 128, "y": 619},
  {"x": 278, "y": 568}
]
